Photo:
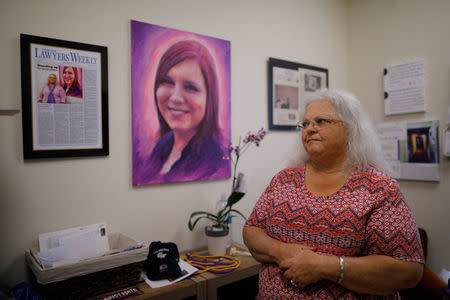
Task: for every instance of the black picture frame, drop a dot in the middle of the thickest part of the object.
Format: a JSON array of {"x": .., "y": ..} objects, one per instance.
[
  {"x": 98, "y": 96},
  {"x": 310, "y": 74}
]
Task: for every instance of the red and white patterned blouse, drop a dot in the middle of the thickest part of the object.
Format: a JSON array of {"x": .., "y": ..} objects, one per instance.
[{"x": 368, "y": 215}]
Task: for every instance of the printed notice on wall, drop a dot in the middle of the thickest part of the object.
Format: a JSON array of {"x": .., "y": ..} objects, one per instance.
[
  {"x": 447, "y": 135},
  {"x": 290, "y": 88},
  {"x": 411, "y": 149},
  {"x": 404, "y": 88},
  {"x": 286, "y": 89}
]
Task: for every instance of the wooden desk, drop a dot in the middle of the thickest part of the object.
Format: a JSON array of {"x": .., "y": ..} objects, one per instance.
[
  {"x": 192, "y": 287},
  {"x": 249, "y": 267},
  {"x": 204, "y": 286}
]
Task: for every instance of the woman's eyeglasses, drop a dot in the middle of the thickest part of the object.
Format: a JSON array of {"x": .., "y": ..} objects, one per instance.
[{"x": 317, "y": 123}]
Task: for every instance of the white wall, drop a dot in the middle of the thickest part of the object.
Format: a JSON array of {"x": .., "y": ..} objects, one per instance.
[
  {"x": 386, "y": 32},
  {"x": 46, "y": 195},
  {"x": 353, "y": 39}
]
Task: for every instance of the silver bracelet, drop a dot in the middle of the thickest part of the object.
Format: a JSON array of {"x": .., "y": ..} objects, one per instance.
[{"x": 341, "y": 270}]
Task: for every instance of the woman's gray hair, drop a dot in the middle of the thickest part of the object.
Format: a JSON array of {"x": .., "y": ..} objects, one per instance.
[{"x": 363, "y": 146}]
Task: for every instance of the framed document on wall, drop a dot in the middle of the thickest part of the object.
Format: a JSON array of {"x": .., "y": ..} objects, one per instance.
[
  {"x": 289, "y": 84},
  {"x": 64, "y": 98}
]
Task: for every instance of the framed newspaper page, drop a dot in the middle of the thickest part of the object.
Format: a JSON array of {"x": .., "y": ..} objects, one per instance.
[
  {"x": 290, "y": 83},
  {"x": 64, "y": 98}
]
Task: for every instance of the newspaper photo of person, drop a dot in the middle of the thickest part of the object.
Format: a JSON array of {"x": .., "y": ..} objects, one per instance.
[
  {"x": 71, "y": 82},
  {"x": 52, "y": 92}
]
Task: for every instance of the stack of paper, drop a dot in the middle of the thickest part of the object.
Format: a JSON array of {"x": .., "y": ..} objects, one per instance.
[
  {"x": 71, "y": 245},
  {"x": 186, "y": 271}
]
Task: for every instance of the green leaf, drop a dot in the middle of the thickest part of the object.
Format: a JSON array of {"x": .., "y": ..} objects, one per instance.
[
  {"x": 220, "y": 213},
  {"x": 192, "y": 225},
  {"x": 201, "y": 215},
  {"x": 221, "y": 218},
  {"x": 196, "y": 213},
  {"x": 234, "y": 198},
  {"x": 238, "y": 212}
]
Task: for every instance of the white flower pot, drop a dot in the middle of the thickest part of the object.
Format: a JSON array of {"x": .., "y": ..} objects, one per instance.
[{"x": 217, "y": 239}]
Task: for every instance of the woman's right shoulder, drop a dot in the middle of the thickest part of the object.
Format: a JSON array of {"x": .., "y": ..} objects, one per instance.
[
  {"x": 288, "y": 175},
  {"x": 291, "y": 171}
]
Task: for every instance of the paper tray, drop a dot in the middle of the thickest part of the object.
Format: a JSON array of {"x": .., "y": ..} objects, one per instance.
[{"x": 91, "y": 265}]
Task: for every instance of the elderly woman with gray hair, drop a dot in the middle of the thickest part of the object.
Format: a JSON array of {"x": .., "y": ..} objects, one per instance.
[{"x": 336, "y": 226}]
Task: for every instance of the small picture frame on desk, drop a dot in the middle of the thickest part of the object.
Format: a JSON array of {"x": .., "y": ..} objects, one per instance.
[
  {"x": 290, "y": 83},
  {"x": 64, "y": 98}
]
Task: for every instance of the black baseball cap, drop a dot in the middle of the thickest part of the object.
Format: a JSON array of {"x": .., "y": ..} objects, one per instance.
[{"x": 162, "y": 261}]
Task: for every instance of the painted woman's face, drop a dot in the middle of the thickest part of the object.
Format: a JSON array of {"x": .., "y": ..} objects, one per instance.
[
  {"x": 181, "y": 97},
  {"x": 68, "y": 75}
]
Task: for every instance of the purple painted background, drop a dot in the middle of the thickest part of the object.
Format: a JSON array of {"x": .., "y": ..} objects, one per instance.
[{"x": 148, "y": 44}]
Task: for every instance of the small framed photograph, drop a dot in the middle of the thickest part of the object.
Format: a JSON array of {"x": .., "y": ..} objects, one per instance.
[
  {"x": 290, "y": 83},
  {"x": 64, "y": 98}
]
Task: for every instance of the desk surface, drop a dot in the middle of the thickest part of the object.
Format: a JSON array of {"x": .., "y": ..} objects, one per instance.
[
  {"x": 204, "y": 285},
  {"x": 249, "y": 267},
  {"x": 192, "y": 286}
]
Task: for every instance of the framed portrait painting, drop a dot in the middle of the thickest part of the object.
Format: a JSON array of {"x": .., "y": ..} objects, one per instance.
[
  {"x": 64, "y": 98},
  {"x": 290, "y": 83},
  {"x": 180, "y": 105}
]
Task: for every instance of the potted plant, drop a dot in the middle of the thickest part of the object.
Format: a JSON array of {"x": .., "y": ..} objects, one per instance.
[{"x": 218, "y": 231}]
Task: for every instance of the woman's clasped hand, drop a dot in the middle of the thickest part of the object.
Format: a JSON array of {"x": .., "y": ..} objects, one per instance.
[{"x": 299, "y": 268}]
